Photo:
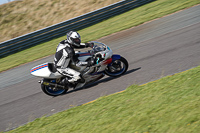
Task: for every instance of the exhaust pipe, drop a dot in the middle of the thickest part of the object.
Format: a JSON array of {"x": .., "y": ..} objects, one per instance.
[{"x": 51, "y": 84}]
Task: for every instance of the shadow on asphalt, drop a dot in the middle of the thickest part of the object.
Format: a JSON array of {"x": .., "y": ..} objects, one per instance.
[{"x": 103, "y": 80}]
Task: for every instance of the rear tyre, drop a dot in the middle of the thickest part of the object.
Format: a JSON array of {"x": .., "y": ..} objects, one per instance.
[
  {"x": 52, "y": 91},
  {"x": 117, "y": 68}
]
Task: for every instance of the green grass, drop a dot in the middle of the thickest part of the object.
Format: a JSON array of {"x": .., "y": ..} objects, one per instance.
[
  {"x": 129, "y": 19},
  {"x": 168, "y": 105}
]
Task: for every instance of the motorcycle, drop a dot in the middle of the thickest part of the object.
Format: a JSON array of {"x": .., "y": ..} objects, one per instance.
[{"x": 106, "y": 63}]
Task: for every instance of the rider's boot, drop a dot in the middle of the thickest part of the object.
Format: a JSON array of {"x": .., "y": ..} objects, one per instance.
[
  {"x": 66, "y": 83},
  {"x": 81, "y": 80},
  {"x": 78, "y": 78},
  {"x": 79, "y": 83},
  {"x": 72, "y": 83}
]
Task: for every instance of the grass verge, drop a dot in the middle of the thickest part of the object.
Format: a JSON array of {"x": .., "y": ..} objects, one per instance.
[
  {"x": 168, "y": 105},
  {"x": 129, "y": 19}
]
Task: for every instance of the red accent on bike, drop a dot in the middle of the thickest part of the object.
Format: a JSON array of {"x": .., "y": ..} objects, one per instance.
[
  {"x": 108, "y": 61},
  {"x": 85, "y": 54}
]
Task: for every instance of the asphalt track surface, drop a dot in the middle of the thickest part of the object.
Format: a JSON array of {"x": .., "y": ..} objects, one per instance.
[{"x": 158, "y": 48}]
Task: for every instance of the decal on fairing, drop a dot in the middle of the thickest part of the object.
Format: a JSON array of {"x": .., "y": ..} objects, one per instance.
[
  {"x": 108, "y": 61},
  {"x": 84, "y": 54},
  {"x": 38, "y": 67}
]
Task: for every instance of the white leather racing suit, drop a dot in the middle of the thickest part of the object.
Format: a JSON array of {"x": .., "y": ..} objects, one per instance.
[{"x": 64, "y": 55}]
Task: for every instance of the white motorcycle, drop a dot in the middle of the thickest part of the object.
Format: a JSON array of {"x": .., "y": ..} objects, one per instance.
[{"x": 106, "y": 63}]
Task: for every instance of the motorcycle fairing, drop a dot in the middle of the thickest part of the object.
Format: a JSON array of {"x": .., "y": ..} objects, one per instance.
[
  {"x": 97, "y": 73},
  {"x": 108, "y": 61},
  {"x": 44, "y": 72},
  {"x": 83, "y": 56}
]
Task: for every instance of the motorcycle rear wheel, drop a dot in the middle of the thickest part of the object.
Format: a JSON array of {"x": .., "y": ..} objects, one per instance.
[
  {"x": 51, "y": 91},
  {"x": 117, "y": 68}
]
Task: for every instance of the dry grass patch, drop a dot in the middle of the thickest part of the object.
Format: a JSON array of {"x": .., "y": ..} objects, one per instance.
[{"x": 21, "y": 17}]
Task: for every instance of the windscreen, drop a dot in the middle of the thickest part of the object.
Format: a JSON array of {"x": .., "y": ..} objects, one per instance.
[{"x": 99, "y": 47}]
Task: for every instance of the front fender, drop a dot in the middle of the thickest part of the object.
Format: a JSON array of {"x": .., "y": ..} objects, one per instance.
[
  {"x": 112, "y": 59},
  {"x": 115, "y": 57}
]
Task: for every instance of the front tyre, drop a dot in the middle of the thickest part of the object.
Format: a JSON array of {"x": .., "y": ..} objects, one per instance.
[
  {"x": 50, "y": 90},
  {"x": 117, "y": 67}
]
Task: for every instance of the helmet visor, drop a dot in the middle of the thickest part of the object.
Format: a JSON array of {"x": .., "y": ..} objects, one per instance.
[{"x": 76, "y": 40}]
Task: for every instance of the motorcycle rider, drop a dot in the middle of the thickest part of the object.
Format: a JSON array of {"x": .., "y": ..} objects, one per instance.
[{"x": 65, "y": 55}]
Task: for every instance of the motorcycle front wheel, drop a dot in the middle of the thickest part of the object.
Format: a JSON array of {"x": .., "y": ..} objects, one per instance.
[
  {"x": 117, "y": 68},
  {"x": 50, "y": 90}
]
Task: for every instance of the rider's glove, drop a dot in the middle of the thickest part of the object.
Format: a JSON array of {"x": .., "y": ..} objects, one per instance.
[
  {"x": 91, "y": 62},
  {"x": 81, "y": 63},
  {"x": 89, "y": 44}
]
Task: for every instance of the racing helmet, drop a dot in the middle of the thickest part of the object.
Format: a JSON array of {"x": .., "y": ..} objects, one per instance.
[{"x": 74, "y": 38}]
